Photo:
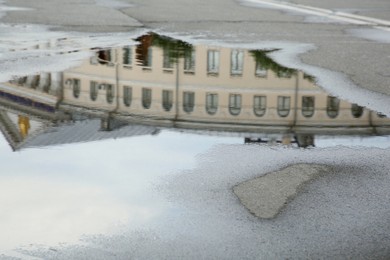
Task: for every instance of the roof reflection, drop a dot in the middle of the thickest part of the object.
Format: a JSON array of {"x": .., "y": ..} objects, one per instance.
[{"x": 158, "y": 82}]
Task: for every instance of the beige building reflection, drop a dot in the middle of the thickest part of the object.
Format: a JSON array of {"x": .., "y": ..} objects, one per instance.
[
  {"x": 213, "y": 88},
  {"x": 167, "y": 83}
]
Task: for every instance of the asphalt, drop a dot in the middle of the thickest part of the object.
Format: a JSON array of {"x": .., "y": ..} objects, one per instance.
[
  {"x": 84, "y": 15},
  {"x": 267, "y": 195},
  {"x": 376, "y": 8}
]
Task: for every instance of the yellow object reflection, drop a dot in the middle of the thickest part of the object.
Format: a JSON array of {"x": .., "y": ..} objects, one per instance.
[{"x": 24, "y": 125}]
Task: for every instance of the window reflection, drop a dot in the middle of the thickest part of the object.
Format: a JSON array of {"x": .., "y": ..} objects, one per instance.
[
  {"x": 188, "y": 101},
  {"x": 357, "y": 111},
  {"x": 146, "y": 58},
  {"x": 259, "y": 105},
  {"x": 284, "y": 74},
  {"x": 35, "y": 81},
  {"x": 283, "y": 105},
  {"x": 149, "y": 58},
  {"x": 106, "y": 57},
  {"x": 211, "y": 103},
  {"x": 94, "y": 60},
  {"x": 381, "y": 115},
  {"x": 189, "y": 61},
  {"x": 167, "y": 60},
  {"x": 127, "y": 95},
  {"x": 237, "y": 62},
  {"x": 127, "y": 55},
  {"x": 144, "y": 51},
  {"x": 167, "y": 99},
  {"x": 76, "y": 87},
  {"x": 93, "y": 90},
  {"x": 110, "y": 93},
  {"x": 213, "y": 62},
  {"x": 308, "y": 106},
  {"x": 21, "y": 81},
  {"x": 260, "y": 70},
  {"x": 332, "y": 107},
  {"x": 146, "y": 98},
  {"x": 235, "y": 104}
]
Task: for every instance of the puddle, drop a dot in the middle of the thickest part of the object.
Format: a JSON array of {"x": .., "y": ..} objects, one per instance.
[
  {"x": 128, "y": 115},
  {"x": 164, "y": 84}
]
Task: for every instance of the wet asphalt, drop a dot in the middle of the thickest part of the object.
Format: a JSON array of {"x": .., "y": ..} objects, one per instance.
[{"x": 338, "y": 47}]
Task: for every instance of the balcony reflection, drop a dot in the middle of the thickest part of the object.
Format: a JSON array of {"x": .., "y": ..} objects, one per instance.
[{"x": 161, "y": 83}]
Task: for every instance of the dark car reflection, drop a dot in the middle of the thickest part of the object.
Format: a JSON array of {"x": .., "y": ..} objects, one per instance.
[{"x": 158, "y": 83}]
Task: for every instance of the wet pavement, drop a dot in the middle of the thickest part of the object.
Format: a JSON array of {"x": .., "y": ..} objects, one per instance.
[{"x": 127, "y": 141}]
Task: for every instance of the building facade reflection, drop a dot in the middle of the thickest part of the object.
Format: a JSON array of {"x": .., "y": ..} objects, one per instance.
[{"x": 162, "y": 82}]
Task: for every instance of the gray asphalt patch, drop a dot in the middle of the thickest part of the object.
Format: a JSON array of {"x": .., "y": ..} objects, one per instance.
[{"x": 267, "y": 195}]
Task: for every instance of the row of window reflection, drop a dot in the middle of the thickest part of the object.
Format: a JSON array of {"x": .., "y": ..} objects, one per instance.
[
  {"x": 213, "y": 61},
  {"x": 235, "y": 101}
]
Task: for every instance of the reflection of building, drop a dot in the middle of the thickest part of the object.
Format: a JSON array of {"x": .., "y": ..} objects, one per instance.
[
  {"x": 221, "y": 88},
  {"x": 24, "y": 125},
  {"x": 28, "y": 107},
  {"x": 18, "y": 121},
  {"x": 167, "y": 83}
]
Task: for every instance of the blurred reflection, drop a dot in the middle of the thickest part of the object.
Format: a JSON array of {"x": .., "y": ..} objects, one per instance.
[
  {"x": 24, "y": 125},
  {"x": 159, "y": 82}
]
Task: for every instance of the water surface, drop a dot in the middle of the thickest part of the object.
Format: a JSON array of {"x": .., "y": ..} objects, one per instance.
[{"x": 82, "y": 148}]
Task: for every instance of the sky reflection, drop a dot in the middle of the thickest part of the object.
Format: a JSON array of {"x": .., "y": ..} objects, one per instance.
[{"x": 58, "y": 194}]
